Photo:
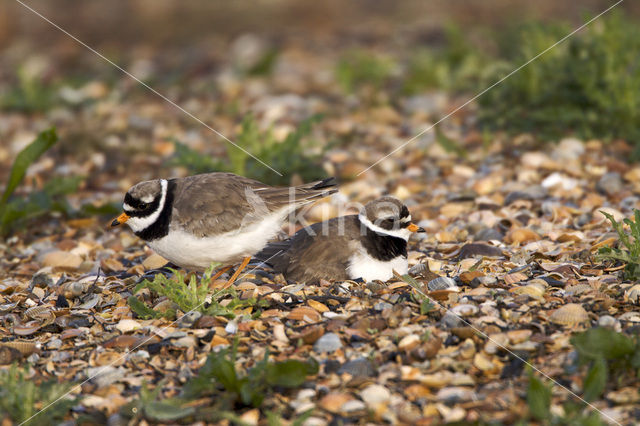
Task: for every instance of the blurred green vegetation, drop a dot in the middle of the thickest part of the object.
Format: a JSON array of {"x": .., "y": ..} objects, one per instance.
[
  {"x": 17, "y": 211},
  {"x": 22, "y": 397},
  {"x": 456, "y": 66},
  {"x": 30, "y": 94},
  {"x": 296, "y": 154},
  {"x": 230, "y": 387},
  {"x": 587, "y": 85},
  {"x": 359, "y": 69}
]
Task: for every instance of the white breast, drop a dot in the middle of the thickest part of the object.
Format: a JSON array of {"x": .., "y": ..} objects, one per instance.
[
  {"x": 188, "y": 251},
  {"x": 362, "y": 265}
]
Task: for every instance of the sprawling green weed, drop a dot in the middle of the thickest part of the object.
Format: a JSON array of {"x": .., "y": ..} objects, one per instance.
[
  {"x": 22, "y": 397},
  {"x": 17, "y": 211},
  {"x": 230, "y": 388},
  {"x": 359, "y": 69},
  {"x": 296, "y": 154},
  {"x": 630, "y": 254},
  {"x": 586, "y": 85},
  {"x": 190, "y": 295}
]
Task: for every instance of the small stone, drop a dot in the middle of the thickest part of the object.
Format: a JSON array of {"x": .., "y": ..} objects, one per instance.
[
  {"x": 485, "y": 281},
  {"x": 479, "y": 250},
  {"x": 106, "y": 375},
  {"x": 353, "y": 406},
  {"x": 127, "y": 325},
  {"x": 328, "y": 343},
  {"x": 62, "y": 260},
  {"x": 43, "y": 280},
  {"x": 488, "y": 234},
  {"x": 519, "y": 336},
  {"x": 185, "y": 342},
  {"x": 54, "y": 344},
  {"x": 530, "y": 193},
  {"x": 155, "y": 261},
  {"x": 409, "y": 342},
  {"x": 189, "y": 319},
  {"x": 374, "y": 395},
  {"x": 610, "y": 183},
  {"x": 450, "y": 320},
  {"x": 441, "y": 283},
  {"x": 359, "y": 367}
]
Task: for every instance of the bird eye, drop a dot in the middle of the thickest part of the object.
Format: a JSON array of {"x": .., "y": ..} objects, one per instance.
[{"x": 143, "y": 206}]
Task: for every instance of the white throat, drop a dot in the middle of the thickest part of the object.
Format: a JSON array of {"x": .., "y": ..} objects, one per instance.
[
  {"x": 138, "y": 224},
  {"x": 403, "y": 233}
]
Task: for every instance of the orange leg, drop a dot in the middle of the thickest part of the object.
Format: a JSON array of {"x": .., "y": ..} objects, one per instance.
[
  {"x": 220, "y": 272},
  {"x": 244, "y": 264}
]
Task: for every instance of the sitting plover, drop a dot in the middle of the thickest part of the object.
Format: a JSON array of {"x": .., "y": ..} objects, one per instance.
[{"x": 370, "y": 245}]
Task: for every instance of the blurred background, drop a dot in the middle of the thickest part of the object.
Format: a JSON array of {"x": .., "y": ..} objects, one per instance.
[{"x": 309, "y": 88}]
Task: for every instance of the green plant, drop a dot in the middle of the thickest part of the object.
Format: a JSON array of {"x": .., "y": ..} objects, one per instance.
[
  {"x": 358, "y": 69},
  {"x": 456, "y": 66},
  {"x": 608, "y": 354},
  {"x": 539, "y": 405},
  {"x": 219, "y": 376},
  {"x": 189, "y": 296},
  {"x": 293, "y": 155},
  {"x": 22, "y": 397},
  {"x": 30, "y": 94},
  {"x": 426, "y": 304},
  {"x": 630, "y": 255},
  {"x": 148, "y": 406},
  {"x": 586, "y": 85},
  {"x": 17, "y": 211}
]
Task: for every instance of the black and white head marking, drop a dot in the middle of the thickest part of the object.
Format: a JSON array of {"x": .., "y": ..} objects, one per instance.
[{"x": 149, "y": 205}]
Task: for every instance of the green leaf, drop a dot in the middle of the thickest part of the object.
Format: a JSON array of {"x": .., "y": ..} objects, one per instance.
[
  {"x": 596, "y": 380},
  {"x": 31, "y": 153},
  {"x": 601, "y": 342},
  {"x": 162, "y": 411},
  {"x": 290, "y": 373},
  {"x": 142, "y": 310},
  {"x": 538, "y": 398},
  {"x": 224, "y": 371}
]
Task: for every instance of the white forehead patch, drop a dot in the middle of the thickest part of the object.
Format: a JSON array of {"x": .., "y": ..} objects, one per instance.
[
  {"x": 127, "y": 207},
  {"x": 406, "y": 219}
]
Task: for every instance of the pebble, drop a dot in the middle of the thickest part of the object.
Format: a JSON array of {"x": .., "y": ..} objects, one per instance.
[
  {"x": 353, "y": 406},
  {"x": 127, "y": 325},
  {"x": 441, "y": 283},
  {"x": 484, "y": 281},
  {"x": 531, "y": 193},
  {"x": 359, "y": 367},
  {"x": 62, "y": 259},
  {"x": 488, "y": 234},
  {"x": 106, "y": 375},
  {"x": 610, "y": 183},
  {"x": 328, "y": 343},
  {"x": 455, "y": 394},
  {"x": 409, "y": 342},
  {"x": 374, "y": 395},
  {"x": 41, "y": 279},
  {"x": 154, "y": 261},
  {"x": 54, "y": 344},
  {"x": 450, "y": 320},
  {"x": 189, "y": 319},
  {"x": 479, "y": 249},
  {"x": 185, "y": 342}
]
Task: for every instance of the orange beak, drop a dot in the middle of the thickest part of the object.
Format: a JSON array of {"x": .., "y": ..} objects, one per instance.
[
  {"x": 120, "y": 219},
  {"x": 415, "y": 228}
]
